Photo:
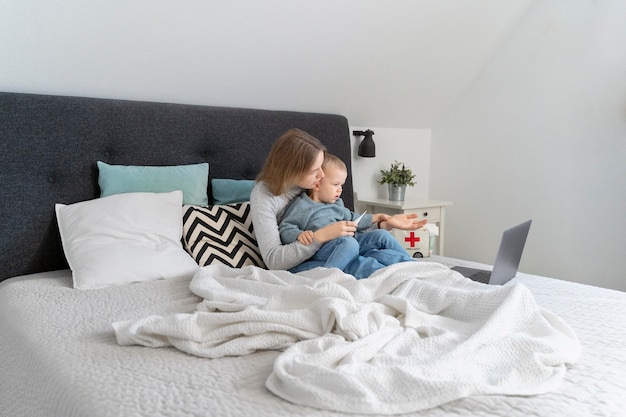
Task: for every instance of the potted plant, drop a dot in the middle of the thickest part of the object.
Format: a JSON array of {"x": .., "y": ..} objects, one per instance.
[{"x": 397, "y": 177}]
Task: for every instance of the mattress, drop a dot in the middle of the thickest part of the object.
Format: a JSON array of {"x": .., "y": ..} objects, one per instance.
[{"x": 60, "y": 357}]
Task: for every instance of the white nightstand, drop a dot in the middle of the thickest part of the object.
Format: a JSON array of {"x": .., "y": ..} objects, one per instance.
[{"x": 433, "y": 210}]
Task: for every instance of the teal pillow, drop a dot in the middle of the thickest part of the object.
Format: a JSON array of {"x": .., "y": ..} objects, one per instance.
[
  {"x": 192, "y": 180},
  {"x": 231, "y": 191}
]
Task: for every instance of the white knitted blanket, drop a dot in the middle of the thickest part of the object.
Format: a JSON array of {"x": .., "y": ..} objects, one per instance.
[{"x": 410, "y": 337}]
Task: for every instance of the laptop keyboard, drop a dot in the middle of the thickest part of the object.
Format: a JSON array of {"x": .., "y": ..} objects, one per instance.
[{"x": 481, "y": 276}]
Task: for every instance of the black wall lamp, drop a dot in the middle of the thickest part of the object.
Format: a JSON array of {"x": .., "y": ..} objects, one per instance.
[{"x": 367, "y": 148}]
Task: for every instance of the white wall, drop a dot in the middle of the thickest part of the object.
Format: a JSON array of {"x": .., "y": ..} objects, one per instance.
[
  {"x": 392, "y": 63},
  {"x": 411, "y": 146},
  {"x": 541, "y": 134}
]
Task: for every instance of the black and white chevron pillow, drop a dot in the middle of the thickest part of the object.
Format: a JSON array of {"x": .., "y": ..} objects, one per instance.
[{"x": 221, "y": 234}]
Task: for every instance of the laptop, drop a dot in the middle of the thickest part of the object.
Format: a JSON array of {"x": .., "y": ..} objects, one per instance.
[{"x": 507, "y": 260}]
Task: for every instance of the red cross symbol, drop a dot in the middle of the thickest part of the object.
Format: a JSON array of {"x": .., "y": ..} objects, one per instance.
[{"x": 412, "y": 239}]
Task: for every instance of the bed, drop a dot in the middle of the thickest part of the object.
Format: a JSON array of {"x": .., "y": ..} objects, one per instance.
[{"x": 215, "y": 338}]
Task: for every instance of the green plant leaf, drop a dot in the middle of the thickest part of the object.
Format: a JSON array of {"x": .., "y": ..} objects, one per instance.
[{"x": 397, "y": 174}]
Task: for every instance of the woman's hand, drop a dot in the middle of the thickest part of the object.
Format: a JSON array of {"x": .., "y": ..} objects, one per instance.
[
  {"x": 379, "y": 217},
  {"x": 403, "y": 222},
  {"x": 335, "y": 230}
]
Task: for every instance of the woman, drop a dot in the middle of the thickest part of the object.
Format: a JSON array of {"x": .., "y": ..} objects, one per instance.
[{"x": 293, "y": 165}]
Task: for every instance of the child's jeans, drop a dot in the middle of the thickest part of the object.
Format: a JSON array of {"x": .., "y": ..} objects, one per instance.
[{"x": 359, "y": 256}]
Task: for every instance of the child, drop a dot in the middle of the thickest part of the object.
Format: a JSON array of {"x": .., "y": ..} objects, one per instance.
[{"x": 369, "y": 249}]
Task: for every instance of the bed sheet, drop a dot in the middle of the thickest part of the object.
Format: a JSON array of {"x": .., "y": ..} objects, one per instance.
[{"x": 60, "y": 357}]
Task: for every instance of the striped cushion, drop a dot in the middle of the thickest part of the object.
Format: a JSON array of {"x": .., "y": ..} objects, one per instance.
[{"x": 221, "y": 234}]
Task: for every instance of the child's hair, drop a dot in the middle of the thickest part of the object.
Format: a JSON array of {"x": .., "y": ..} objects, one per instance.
[
  {"x": 291, "y": 156},
  {"x": 332, "y": 160}
]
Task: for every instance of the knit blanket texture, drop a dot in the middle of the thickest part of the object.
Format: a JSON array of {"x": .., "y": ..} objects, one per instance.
[{"x": 412, "y": 336}]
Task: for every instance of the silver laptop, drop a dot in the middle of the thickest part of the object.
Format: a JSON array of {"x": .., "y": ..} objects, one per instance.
[{"x": 507, "y": 260}]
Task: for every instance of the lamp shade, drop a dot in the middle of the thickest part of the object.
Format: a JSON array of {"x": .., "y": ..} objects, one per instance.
[{"x": 367, "y": 147}]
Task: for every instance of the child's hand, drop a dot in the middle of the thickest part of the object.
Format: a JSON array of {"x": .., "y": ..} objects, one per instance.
[
  {"x": 306, "y": 237},
  {"x": 379, "y": 217}
]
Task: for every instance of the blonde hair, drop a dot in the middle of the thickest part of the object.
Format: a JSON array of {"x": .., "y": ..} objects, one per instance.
[
  {"x": 332, "y": 160},
  {"x": 293, "y": 154}
]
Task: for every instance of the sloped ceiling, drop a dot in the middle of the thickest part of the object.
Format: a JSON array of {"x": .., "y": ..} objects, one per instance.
[{"x": 386, "y": 63}]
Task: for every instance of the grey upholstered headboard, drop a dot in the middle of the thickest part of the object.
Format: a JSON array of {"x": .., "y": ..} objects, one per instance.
[{"x": 49, "y": 146}]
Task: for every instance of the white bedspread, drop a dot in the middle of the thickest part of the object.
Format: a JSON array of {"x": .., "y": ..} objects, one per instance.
[
  {"x": 60, "y": 358},
  {"x": 411, "y": 337}
]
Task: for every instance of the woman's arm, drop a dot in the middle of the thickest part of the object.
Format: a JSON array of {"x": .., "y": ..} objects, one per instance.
[{"x": 266, "y": 208}]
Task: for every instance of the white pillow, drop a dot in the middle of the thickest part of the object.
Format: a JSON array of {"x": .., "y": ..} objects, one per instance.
[{"x": 124, "y": 238}]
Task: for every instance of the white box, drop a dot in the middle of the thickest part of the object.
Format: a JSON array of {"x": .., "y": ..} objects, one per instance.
[{"x": 415, "y": 242}]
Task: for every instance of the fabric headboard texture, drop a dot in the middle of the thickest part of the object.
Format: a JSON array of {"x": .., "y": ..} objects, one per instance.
[{"x": 49, "y": 146}]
